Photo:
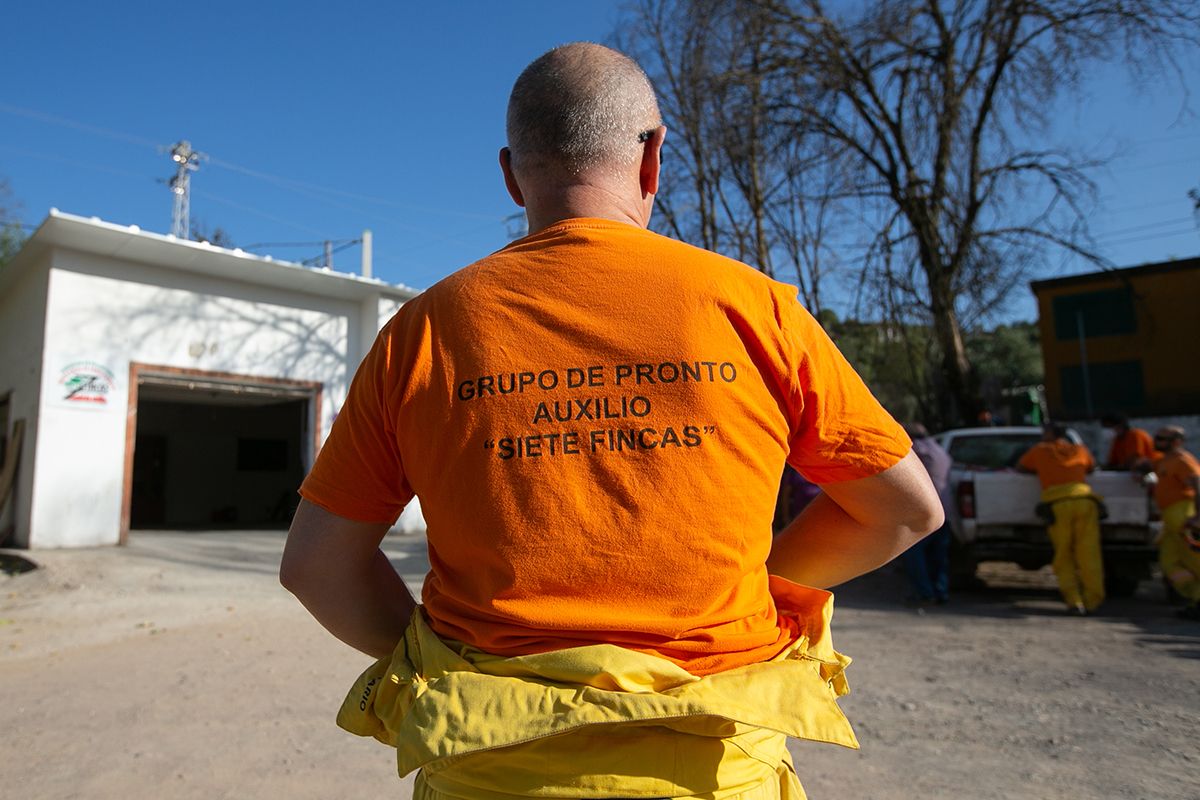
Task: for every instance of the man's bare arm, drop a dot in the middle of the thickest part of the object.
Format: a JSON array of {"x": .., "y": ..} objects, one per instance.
[
  {"x": 852, "y": 527},
  {"x": 335, "y": 568}
]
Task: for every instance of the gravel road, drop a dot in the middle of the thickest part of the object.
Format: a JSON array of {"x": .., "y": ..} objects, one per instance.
[{"x": 176, "y": 667}]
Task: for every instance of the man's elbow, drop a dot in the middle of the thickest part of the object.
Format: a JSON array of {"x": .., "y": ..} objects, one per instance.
[
  {"x": 298, "y": 573},
  {"x": 919, "y": 519},
  {"x": 290, "y": 574},
  {"x": 932, "y": 518},
  {"x": 923, "y": 511}
]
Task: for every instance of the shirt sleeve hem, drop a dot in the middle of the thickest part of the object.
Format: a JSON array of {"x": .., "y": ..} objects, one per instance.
[
  {"x": 850, "y": 472},
  {"x": 341, "y": 505}
]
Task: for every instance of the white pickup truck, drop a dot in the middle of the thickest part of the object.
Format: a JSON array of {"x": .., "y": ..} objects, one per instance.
[{"x": 993, "y": 518}]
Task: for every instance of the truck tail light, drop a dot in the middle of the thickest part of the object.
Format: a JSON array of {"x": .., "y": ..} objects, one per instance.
[{"x": 966, "y": 499}]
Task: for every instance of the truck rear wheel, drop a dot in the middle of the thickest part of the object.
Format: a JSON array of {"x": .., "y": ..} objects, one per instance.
[
  {"x": 962, "y": 568},
  {"x": 1121, "y": 584},
  {"x": 1174, "y": 598}
]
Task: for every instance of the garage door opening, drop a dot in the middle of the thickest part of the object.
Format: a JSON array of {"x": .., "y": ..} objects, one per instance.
[{"x": 218, "y": 452}]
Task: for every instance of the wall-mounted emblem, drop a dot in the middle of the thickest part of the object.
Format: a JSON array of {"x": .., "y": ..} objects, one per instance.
[{"x": 86, "y": 383}]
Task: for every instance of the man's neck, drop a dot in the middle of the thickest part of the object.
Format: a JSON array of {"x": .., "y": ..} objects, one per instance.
[{"x": 591, "y": 200}]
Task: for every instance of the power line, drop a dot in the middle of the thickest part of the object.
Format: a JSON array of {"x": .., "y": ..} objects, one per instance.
[
  {"x": 327, "y": 255},
  {"x": 1148, "y": 237},
  {"x": 315, "y": 193},
  {"x": 1143, "y": 207},
  {"x": 311, "y": 187},
  {"x": 41, "y": 116},
  {"x": 1148, "y": 226},
  {"x": 257, "y": 212},
  {"x": 325, "y": 194},
  {"x": 301, "y": 187},
  {"x": 320, "y": 243},
  {"x": 71, "y": 162},
  {"x": 1143, "y": 167},
  {"x": 1187, "y": 137}
]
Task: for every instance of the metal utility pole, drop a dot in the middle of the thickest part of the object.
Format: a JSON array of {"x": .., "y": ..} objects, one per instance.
[
  {"x": 1083, "y": 365},
  {"x": 187, "y": 161},
  {"x": 366, "y": 253}
]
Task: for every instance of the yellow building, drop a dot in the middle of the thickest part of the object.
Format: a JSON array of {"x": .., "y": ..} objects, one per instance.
[{"x": 1125, "y": 340}]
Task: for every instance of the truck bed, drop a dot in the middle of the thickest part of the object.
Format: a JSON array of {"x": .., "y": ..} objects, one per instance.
[{"x": 1009, "y": 498}]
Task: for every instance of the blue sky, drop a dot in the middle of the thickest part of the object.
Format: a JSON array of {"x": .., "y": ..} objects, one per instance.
[{"x": 324, "y": 119}]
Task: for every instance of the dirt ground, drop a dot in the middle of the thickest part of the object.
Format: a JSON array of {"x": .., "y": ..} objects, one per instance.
[{"x": 176, "y": 667}]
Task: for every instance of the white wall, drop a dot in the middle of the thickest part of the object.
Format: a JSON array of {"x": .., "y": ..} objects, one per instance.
[
  {"x": 22, "y": 324},
  {"x": 387, "y": 308},
  {"x": 108, "y": 313}
]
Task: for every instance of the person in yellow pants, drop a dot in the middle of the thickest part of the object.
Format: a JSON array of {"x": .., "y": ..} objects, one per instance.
[
  {"x": 1175, "y": 493},
  {"x": 1062, "y": 467}
]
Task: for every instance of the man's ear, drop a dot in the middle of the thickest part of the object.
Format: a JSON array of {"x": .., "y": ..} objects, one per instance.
[
  {"x": 510, "y": 180},
  {"x": 652, "y": 161}
]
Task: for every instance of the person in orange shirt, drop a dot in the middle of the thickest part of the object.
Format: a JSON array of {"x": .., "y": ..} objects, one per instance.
[
  {"x": 1130, "y": 446},
  {"x": 1175, "y": 493},
  {"x": 1062, "y": 468},
  {"x": 595, "y": 419}
]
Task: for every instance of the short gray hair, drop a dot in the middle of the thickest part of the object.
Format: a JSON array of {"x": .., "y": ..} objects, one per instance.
[{"x": 578, "y": 107}]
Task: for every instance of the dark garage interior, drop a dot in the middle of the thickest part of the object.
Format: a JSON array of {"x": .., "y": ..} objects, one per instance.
[{"x": 208, "y": 458}]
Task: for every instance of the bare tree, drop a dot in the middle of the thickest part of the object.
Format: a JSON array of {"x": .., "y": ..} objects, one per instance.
[
  {"x": 218, "y": 236},
  {"x": 729, "y": 169},
  {"x": 11, "y": 235},
  {"x": 917, "y": 129},
  {"x": 942, "y": 109}
]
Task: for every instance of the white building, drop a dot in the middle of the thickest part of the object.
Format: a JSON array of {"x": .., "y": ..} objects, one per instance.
[{"x": 163, "y": 383}]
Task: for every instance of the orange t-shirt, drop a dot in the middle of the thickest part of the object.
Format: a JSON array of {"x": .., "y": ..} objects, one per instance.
[
  {"x": 1058, "y": 462},
  {"x": 1130, "y": 447},
  {"x": 1175, "y": 471},
  {"x": 595, "y": 419}
]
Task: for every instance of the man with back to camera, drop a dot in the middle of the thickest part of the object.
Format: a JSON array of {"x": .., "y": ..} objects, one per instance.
[
  {"x": 1062, "y": 468},
  {"x": 595, "y": 419}
]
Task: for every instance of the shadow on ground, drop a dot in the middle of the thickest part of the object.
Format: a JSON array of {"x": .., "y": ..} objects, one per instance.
[
  {"x": 14, "y": 564},
  {"x": 1005, "y": 591},
  {"x": 256, "y": 551}
]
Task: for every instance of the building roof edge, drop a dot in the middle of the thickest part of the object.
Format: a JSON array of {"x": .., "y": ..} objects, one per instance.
[
  {"x": 97, "y": 236},
  {"x": 1121, "y": 274}
]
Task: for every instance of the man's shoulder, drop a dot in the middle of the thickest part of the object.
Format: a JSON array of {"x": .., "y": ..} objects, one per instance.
[
  {"x": 1075, "y": 452},
  {"x": 666, "y": 261},
  {"x": 1034, "y": 453},
  {"x": 722, "y": 265},
  {"x": 1189, "y": 461},
  {"x": 1140, "y": 436},
  {"x": 1043, "y": 452}
]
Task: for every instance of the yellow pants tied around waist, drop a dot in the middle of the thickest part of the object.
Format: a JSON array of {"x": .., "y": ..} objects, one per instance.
[
  {"x": 602, "y": 721},
  {"x": 1174, "y": 555},
  {"x": 1075, "y": 534}
]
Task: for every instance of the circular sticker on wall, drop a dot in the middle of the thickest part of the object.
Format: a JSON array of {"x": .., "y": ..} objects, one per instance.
[{"x": 86, "y": 383}]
